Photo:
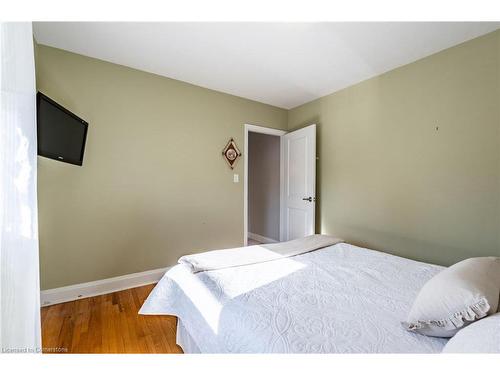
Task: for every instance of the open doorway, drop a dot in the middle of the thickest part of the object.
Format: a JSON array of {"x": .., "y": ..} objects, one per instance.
[
  {"x": 262, "y": 184},
  {"x": 279, "y": 184},
  {"x": 263, "y": 188}
]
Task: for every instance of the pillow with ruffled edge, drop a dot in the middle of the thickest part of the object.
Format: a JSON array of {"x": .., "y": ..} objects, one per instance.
[
  {"x": 457, "y": 296},
  {"x": 482, "y": 336}
]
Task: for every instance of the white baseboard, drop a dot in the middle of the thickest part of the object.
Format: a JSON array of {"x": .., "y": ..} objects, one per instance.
[
  {"x": 96, "y": 288},
  {"x": 261, "y": 239}
]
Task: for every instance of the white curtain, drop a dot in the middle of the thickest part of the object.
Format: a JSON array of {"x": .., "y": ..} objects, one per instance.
[{"x": 19, "y": 279}]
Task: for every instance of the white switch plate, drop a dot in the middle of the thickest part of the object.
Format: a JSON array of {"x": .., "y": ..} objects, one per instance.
[{"x": 236, "y": 178}]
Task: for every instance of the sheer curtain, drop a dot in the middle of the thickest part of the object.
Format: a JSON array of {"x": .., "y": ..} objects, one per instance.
[{"x": 19, "y": 279}]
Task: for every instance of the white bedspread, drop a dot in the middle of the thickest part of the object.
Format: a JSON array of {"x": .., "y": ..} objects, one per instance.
[
  {"x": 339, "y": 299},
  {"x": 242, "y": 256}
]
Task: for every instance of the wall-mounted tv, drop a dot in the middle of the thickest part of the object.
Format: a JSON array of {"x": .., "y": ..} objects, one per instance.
[{"x": 61, "y": 134}]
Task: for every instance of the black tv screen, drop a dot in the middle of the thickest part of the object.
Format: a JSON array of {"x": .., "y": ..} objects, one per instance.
[{"x": 61, "y": 134}]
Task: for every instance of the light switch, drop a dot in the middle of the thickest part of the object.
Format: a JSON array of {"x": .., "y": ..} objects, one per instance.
[{"x": 236, "y": 178}]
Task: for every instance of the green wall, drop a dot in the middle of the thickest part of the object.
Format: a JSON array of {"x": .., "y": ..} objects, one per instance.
[
  {"x": 153, "y": 185},
  {"x": 409, "y": 161}
]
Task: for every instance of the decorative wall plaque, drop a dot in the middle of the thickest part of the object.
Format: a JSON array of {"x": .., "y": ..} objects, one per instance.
[{"x": 231, "y": 153}]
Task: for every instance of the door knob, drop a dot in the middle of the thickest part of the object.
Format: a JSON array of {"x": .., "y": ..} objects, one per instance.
[{"x": 309, "y": 199}]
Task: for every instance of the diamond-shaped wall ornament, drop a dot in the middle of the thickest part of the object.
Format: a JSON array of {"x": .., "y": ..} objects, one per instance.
[{"x": 231, "y": 153}]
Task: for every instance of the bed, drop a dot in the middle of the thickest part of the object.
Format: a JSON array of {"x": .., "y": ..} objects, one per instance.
[{"x": 337, "y": 299}]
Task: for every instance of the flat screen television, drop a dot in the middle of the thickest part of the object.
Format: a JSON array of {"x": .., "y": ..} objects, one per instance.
[{"x": 61, "y": 134}]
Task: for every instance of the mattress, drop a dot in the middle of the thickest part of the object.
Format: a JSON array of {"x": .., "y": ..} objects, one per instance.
[{"x": 339, "y": 299}]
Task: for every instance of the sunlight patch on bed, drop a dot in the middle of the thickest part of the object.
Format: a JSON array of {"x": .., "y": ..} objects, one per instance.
[
  {"x": 241, "y": 280},
  {"x": 202, "y": 297},
  {"x": 267, "y": 273}
]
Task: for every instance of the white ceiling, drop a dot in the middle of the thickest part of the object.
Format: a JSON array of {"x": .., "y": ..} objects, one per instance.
[{"x": 283, "y": 64}]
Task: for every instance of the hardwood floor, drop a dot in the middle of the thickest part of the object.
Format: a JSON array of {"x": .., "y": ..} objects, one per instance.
[
  {"x": 108, "y": 324},
  {"x": 252, "y": 242}
]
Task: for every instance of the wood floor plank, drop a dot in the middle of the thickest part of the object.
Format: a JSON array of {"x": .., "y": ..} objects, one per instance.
[{"x": 108, "y": 324}]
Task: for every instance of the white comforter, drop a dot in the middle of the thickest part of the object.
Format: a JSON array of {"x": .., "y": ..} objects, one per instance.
[
  {"x": 243, "y": 256},
  {"x": 339, "y": 299}
]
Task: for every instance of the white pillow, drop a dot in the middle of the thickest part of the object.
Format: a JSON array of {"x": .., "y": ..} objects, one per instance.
[
  {"x": 455, "y": 297},
  {"x": 482, "y": 336}
]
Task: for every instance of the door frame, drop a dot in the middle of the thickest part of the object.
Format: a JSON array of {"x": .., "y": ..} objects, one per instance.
[{"x": 262, "y": 130}]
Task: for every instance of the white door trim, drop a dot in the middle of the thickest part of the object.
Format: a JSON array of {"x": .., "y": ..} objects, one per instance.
[{"x": 262, "y": 130}]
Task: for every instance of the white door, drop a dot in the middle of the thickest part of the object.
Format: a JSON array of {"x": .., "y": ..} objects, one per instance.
[{"x": 299, "y": 183}]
